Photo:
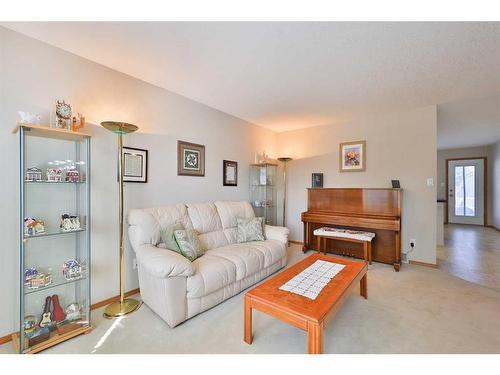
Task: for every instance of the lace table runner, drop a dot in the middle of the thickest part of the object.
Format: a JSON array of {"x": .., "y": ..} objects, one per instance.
[{"x": 310, "y": 282}]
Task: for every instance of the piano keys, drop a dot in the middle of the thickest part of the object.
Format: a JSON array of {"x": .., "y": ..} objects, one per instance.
[{"x": 373, "y": 210}]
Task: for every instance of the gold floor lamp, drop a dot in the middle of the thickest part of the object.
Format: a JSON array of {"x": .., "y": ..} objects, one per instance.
[
  {"x": 284, "y": 160},
  {"x": 124, "y": 306}
]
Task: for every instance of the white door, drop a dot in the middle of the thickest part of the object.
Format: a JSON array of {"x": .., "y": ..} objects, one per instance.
[{"x": 466, "y": 191}]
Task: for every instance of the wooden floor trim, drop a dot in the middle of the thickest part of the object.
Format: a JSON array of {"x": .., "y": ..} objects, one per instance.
[
  {"x": 296, "y": 242},
  {"x": 424, "y": 264},
  {"x": 491, "y": 226},
  {"x": 5, "y": 339}
]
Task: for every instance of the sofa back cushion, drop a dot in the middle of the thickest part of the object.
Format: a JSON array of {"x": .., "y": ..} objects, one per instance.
[
  {"x": 206, "y": 222},
  {"x": 145, "y": 223},
  {"x": 229, "y": 212}
]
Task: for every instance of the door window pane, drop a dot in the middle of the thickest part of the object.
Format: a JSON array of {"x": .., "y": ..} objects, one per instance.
[
  {"x": 470, "y": 193},
  {"x": 459, "y": 191}
]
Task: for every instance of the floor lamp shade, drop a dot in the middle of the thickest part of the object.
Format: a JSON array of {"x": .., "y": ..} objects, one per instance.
[{"x": 125, "y": 305}]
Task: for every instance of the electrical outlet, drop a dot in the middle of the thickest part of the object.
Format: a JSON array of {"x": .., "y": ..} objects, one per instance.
[{"x": 134, "y": 263}]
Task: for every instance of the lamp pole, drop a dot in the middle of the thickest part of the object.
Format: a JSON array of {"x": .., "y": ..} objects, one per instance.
[{"x": 284, "y": 160}]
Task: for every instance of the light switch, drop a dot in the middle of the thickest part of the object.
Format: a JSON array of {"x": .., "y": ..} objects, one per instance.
[{"x": 430, "y": 182}]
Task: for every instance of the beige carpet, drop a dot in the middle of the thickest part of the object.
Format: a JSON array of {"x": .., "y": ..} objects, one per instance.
[{"x": 418, "y": 310}]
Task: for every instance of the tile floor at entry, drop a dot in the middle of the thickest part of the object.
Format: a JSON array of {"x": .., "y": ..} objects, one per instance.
[
  {"x": 418, "y": 310},
  {"x": 472, "y": 253}
]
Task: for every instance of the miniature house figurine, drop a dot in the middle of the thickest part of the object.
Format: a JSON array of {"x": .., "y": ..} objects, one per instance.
[
  {"x": 72, "y": 270},
  {"x": 34, "y": 279},
  {"x": 33, "y": 226},
  {"x": 69, "y": 223},
  {"x": 72, "y": 175},
  {"x": 54, "y": 175},
  {"x": 33, "y": 174}
]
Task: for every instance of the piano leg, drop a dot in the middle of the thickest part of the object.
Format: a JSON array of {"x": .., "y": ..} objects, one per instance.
[
  {"x": 306, "y": 237},
  {"x": 397, "y": 264}
]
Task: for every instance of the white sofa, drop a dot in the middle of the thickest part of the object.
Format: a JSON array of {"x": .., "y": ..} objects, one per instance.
[{"x": 177, "y": 289}]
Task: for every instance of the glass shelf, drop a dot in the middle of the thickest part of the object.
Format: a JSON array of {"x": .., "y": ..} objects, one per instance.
[
  {"x": 56, "y": 281},
  {"x": 54, "y": 233}
]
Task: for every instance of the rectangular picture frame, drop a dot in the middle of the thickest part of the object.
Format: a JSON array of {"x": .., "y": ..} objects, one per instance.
[
  {"x": 229, "y": 173},
  {"x": 352, "y": 156},
  {"x": 135, "y": 164},
  {"x": 317, "y": 180},
  {"x": 190, "y": 159}
]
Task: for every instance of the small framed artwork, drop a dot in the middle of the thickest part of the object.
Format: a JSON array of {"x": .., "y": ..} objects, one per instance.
[
  {"x": 317, "y": 180},
  {"x": 190, "y": 159},
  {"x": 352, "y": 156},
  {"x": 395, "y": 184},
  {"x": 135, "y": 165},
  {"x": 229, "y": 173}
]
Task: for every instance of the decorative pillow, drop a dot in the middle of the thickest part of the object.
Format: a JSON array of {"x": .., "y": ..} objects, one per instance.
[
  {"x": 250, "y": 229},
  {"x": 189, "y": 244},
  {"x": 167, "y": 238}
]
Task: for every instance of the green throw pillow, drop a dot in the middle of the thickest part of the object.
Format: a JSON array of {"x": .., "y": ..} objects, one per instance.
[
  {"x": 189, "y": 244},
  {"x": 250, "y": 229},
  {"x": 167, "y": 237}
]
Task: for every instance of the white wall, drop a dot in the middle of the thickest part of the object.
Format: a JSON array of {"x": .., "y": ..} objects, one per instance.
[
  {"x": 466, "y": 152},
  {"x": 33, "y": 75},
  {"x": 495, "y": 185},
  {"x": 399, "y": 146}
]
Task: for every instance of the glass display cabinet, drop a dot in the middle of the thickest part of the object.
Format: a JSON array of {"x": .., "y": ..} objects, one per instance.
[
  {"x": 54, "y": 236},
  {"x": 263, "y": 191}
]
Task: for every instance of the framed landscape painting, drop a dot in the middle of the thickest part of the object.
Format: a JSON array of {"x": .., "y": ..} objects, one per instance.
[
  {"x": 352, "y": 156},
  {"x": 190, "y": 159}
]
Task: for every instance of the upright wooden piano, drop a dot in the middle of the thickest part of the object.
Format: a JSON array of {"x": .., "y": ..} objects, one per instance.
[{"x": 372, "y": 210}]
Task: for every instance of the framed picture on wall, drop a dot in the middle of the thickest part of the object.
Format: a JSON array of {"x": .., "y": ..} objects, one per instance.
[
  {"x": 352, "y": 156},
  {"x": 229, "y": 173},
  {"x": 190, "y": 159},
  {"x": 317, "y": 180},
  {"x": 135, "y": 165}
]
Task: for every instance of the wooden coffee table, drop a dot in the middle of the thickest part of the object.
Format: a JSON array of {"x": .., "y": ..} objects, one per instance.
[{"x": 302, "y": 312}]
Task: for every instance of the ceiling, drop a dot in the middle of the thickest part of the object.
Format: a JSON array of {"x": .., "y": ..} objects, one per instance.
[
  {"x": 284, "y": 75},
  {"x": 469, "y": 123}
]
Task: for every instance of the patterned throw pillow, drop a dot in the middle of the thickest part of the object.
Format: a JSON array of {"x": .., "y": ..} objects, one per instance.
[
  {"x": 167, "y": 238},
  {"x": 250, "y": 229},
  {"x": 189, "y": 244}
]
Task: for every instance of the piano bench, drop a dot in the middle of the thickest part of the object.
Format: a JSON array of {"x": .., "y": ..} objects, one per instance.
[{"x": 345, "y": 235}]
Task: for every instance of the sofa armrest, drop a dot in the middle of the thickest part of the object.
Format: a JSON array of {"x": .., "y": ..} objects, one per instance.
[
  {"x": 163, "y": 263},
  {"x": 276, "y": 233}
]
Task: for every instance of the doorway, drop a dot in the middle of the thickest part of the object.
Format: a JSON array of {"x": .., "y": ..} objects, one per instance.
[{"x": 466, "y": 190}]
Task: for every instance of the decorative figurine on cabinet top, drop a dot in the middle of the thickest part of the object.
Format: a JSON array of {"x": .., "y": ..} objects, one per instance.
[
  {"x": 63, "y": 115},
  {"x": 78, "y": 122},
  {"x": 72, "y": 175},
  {"x": 33, "y": 174},
  {"x": 33, "y": 226},
  {"x": 69, "y": 223},
  {"x": 29, "y": 118},
  {"x": 72, "y": 269},
  {"x": 54, "y": 175}
]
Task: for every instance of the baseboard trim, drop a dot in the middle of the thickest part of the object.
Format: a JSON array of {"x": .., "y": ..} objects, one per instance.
[
  {"x": 424, "y": 264},
  {"x": 494, "y": 227},
  {"x": 296, "y": 242},
  {"x": 5, "y": 339},
  {"x": 113, "y": 299}
]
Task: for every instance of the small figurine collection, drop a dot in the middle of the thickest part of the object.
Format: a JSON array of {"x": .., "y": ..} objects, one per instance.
[
  {"x": 33, "y": 226},
  {"x": 33, "y": 279},
  {"x": 52, "y": 318},
  {"x": 34, "y": 174},
  {"x": 69, "y": 223},
  {"x": 72, "y": 269}
]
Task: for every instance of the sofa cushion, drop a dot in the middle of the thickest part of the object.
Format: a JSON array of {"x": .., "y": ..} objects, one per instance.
[
  {"x": 250, "y": 229},
  {"x": 189, "y": 244},
  {"x": 211, "y": 273},
  {"x": 146, "y": 223},
  {"x": 251, "y": 257},
  {"x": 204, "y": 217},
  {"x": 229, "y": 211}
]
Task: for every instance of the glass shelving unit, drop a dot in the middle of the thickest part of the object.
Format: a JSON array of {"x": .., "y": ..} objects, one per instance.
[
  {"x": 263, "y": 191},
  {"x": 51, "y": 247}
]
